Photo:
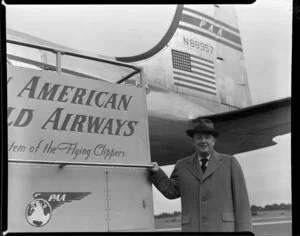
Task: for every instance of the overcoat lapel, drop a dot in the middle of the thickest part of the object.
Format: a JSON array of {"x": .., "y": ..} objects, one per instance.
[
  {"x": 193, "y": 166},
  {"x": 213, "y": 164}
]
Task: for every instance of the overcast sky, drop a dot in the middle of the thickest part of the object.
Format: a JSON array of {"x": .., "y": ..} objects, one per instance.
[{"x": 266, "y": 30}]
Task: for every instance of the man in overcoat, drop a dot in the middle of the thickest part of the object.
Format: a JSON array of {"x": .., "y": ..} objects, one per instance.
[{"x": 211, "y": 185}]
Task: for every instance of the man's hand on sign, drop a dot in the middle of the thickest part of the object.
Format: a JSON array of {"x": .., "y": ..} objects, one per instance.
[{"x": 155, "y": 167}]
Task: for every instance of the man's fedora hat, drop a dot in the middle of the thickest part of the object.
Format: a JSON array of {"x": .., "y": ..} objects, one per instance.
[{"x": 201, "y": 126}]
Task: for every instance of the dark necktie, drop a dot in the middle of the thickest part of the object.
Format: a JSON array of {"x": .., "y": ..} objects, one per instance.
[{"x": 203, "y": 165}]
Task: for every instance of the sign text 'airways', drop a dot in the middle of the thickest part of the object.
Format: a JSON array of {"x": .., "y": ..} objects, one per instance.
[{"x": 89, "y": 124}]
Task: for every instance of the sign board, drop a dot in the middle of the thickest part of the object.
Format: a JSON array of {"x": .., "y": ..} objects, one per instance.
[{"x": 55, "y": 117}]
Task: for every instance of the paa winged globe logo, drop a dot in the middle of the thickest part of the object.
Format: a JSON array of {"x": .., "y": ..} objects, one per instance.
[{"x": 39, "y": 211}]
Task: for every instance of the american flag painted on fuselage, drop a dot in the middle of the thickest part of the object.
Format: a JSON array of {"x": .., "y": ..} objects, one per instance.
[{"x": 193, "y": 72}]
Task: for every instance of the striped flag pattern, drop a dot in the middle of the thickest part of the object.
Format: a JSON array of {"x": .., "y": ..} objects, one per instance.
[{"x": 193, "y": 72}]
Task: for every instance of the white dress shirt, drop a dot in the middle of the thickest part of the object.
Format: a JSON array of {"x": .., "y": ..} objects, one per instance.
[{"x": 200, "y": 158}]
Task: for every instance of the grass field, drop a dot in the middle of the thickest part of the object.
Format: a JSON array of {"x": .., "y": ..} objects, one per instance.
[{"x": 265, "y": 223}]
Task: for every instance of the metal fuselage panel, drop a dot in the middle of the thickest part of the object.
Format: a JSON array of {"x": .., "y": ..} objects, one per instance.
[{"x": 203, "y": 61}]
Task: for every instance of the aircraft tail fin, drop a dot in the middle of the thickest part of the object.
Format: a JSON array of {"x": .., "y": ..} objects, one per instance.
[{"x": 201, "y": 55}]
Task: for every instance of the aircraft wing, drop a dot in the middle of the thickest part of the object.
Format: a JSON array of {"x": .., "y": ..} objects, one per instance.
[
  {"x": 252, "y": 128},
  {"x": 241, "y": 131}
]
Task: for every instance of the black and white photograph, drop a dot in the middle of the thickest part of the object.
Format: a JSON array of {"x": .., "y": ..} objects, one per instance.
[{"x": 149, "y": 118}]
